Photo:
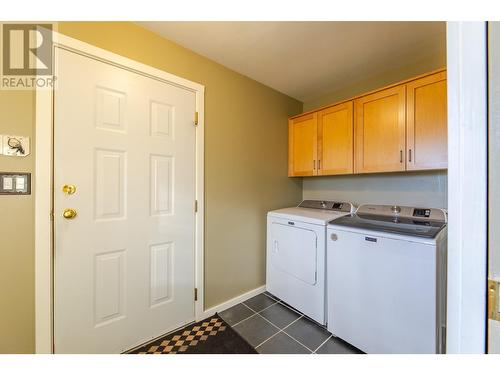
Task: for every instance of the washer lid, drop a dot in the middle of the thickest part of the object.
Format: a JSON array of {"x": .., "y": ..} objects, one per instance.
[{"x": 392, "y": 224}]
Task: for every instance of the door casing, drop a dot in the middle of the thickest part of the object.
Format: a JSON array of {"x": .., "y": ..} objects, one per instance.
[
  {"x": 467, "y": 187},
  {"x": 44, "y": 166}
]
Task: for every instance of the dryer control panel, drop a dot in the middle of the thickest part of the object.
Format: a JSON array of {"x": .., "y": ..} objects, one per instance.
[{"x": 327, "y": 205}]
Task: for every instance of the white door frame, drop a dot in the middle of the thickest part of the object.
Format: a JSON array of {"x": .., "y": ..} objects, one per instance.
[
  {"x": 467, "y": 186},
  {"x": 44, "y": 286}
]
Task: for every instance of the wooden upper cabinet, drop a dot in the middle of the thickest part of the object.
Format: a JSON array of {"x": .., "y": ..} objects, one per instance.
[
  {"x": 427, "y": 123},
  {"x": 402, "y": 127},
  {"x": 380, "y": 131},
  {"x": 335, "y": 139},
  {"x": 302, "y": 145}
]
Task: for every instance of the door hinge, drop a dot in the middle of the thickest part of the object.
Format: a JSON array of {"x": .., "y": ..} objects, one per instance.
[
  {"x": 195, "y": 206},
  {"x": 196, "y": 118},
  {"x": 196, "y": 294},
  {"x": 493, "y": 307},
  {"x": 51, "y": 215}
]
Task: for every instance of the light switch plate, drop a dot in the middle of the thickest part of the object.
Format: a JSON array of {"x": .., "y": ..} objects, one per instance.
[
  {"x": 15, "y": 183},
  {"x": 7, "y": 183},
  {"x": 15, "y": 145},
  {"x": 21, "y": 182}
]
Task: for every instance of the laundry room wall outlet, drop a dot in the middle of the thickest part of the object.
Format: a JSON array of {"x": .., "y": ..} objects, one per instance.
[{"x": 14, "y": 145}]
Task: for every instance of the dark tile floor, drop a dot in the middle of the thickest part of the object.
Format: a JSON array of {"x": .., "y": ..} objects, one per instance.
[{"x": 273, "y": 327}]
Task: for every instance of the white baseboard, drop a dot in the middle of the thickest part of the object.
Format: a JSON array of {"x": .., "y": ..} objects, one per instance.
[{"x": 232, "y": 302}]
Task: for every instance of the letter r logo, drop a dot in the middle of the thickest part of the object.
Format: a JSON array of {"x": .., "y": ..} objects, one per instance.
[{"x": 27, "y": 49}]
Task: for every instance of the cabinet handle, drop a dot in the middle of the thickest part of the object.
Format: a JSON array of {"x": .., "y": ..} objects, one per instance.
[
  {"x": 409, "y": 156},
  {"x": 319, "y": 164},
  {"x": 400, "y": 156},
  {"x": 314, "y": 164}
]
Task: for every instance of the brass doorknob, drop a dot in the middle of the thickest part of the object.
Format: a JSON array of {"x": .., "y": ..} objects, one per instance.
[
  {"x": 69, "y": 213},
  {"x": 69, "y": 189}
]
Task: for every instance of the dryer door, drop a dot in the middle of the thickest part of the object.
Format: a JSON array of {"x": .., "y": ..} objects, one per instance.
[
  {"x": 296, "y": 265},
  {"x": 294, "y": 250}
]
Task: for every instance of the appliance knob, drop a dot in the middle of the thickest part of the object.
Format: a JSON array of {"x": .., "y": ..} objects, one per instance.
[
  {"x": 323, "y": 204},
  {"x": 333, "y": 237},
  {"x": 396, "y": 210}
]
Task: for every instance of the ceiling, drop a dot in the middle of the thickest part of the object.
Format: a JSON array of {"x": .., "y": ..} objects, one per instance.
[{"x": 306, "y": 60}]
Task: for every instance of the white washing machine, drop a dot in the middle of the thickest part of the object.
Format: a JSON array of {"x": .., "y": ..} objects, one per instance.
[
  {"x": 387, "y": 279},
  {"x": 296, "y": 246}
]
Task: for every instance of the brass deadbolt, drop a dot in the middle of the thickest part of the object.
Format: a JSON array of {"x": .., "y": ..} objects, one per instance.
[{"x": 69, "y": 189}]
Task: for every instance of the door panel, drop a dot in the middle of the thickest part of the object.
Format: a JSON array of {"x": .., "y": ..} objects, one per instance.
[
  {"x": 427, "y": 130},
  {"x": 380, "y": 131},
  {"x": 335, "y": 144},
  {"x": 162, "y": 276},
  {"x": 302, "y": 145},
  {"x": 161, "y": 183},
  {"x": 124, "y": 266},
  {"x": 109, "y": 295}
]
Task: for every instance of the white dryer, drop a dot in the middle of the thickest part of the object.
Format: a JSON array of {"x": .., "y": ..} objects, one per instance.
[
  {"x": 296, "y": 244},
  {"x": 387, "y": 279}
]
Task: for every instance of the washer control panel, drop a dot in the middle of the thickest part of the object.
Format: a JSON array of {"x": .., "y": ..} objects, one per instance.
[
  {"x": 422, "y": 212},
  {"x": 400, "y": 212}
]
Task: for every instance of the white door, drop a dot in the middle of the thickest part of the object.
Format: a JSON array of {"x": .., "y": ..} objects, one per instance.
[{"x": 124, "y": 266}]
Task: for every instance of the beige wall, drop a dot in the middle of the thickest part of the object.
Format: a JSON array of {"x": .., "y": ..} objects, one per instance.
[
  {"x": 245, "y": 173},
  {"x": 414, "y": 189},
  {"x": 17, "y": 270}
]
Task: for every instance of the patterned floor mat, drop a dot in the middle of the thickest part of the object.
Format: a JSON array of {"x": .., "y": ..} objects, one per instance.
[{"x": 210, "y": 336}]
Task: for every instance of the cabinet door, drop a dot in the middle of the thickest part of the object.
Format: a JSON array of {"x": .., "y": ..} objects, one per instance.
[
  {"x": 427, "y": 123},
  {"x": 335, "y": 140},
  {"x": 302, "y": 145},
  {"x": 380, "y": 131}
]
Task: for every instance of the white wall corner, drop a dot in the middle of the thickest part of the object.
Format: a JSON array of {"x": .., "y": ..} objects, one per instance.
[{"x": 467, "y": 186}]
